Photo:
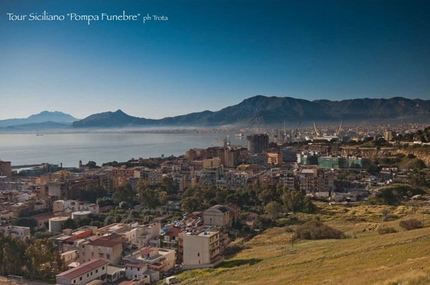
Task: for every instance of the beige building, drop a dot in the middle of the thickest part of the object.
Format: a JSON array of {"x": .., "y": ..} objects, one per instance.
[
  {"x": 201, "y": 250},
  {"x": 274, "y": 158},
  {"x": 5, "y": 168},
  {"x": 69, "y": 256},
  {"x": 148, "y": 235},
  {"x": 211, "y": 163},
  {"x": 217, "y": 215},
  {"x": 108, "y": 250}
]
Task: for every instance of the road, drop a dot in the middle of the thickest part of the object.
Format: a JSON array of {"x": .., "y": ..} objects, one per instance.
[{"x": 5, "y": 281}]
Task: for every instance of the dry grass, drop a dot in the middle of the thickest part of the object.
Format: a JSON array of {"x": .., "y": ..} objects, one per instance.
[{"x": 365, "y": 258}]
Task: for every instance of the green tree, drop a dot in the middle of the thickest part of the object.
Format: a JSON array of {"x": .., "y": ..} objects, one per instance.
[
  {"x": 148, "y": 194},
  {"x": 295, "y": 201},
  {"x": 26, "y": 222},
  {"x": 69, "y": 224},
  {"x": 273, "y": 210},
  {"x": 163, "y": 197},
  {"x": 169, "y": 185},
  {"x": 124, "y": 194},
  {"x": 190, "y": 204},
  {"x": 43, "y": 261}
]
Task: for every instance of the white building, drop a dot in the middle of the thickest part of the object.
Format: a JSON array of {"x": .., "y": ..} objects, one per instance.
[
  {"x": 65, "y": 207},
  {"x": 157, "y": 260},
  {"x": 16, "y": 232},
  {"x": 84, "y": 273},
  {"x": 201, "y": 250},
  {"x": 138, "y": 271}
]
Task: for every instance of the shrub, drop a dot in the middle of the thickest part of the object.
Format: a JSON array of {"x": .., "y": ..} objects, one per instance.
[
  {"x": 317, "y": 230},
  {"x": 411, "y": 224},
  {"x": 386, "y": 230}
]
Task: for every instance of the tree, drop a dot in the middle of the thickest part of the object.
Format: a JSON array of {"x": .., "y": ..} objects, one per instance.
[
  {"x": 69, "y": 224},
  {"x": 163, "y": 197},
  {"x": 295, "y": 201},
  {"x": 148, "y": 195},
  {"x": 26, "y": 222},
  {"x": 92, "y": 164},
  {"x": 43, "y": 261},
  {"x": 124, "y": 194},
  {"x": 169, "y": 185},
  {"x": 273, "y": 210},
  {"x": 190, "y": 204},
  {"x": 292, "y": 200}
]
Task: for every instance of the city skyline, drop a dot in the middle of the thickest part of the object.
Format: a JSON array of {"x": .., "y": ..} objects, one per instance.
[{"x": 207, "y": 55}]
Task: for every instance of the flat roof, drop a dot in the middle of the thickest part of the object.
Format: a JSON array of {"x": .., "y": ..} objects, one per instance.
[
  {"x": 138, "y": 265},
  {"x": 106, "y": 243}
]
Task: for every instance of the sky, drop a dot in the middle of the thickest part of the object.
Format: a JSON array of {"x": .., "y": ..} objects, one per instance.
[{"x": 207, "y": 54}]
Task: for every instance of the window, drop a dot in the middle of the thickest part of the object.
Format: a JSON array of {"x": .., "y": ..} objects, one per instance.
[
  {"x": 80, "y": 278},
  {"x": 97, "y": 271},
  {"x": 108, "y": 256},
  {"x": 74, "y": 281},
  {"x": 103, "y": 268},
  {"x": 198, "y": 253}
]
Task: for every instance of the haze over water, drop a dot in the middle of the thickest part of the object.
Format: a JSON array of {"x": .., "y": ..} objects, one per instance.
[{"x": 69, "y": 148}]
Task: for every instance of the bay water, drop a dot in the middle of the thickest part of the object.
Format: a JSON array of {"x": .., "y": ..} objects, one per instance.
[{"x": 68, "y": 148}]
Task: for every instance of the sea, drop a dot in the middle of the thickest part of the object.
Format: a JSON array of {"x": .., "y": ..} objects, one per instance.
[{"x": 67, "y": 149}]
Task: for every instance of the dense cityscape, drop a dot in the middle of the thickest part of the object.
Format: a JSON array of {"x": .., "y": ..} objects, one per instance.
[{"x": 147, "y": 219}]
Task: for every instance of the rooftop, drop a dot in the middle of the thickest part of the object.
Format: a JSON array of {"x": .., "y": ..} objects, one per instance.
[
  {"x": 83, "y": 268},
  {"x": 103, "y": 242}
]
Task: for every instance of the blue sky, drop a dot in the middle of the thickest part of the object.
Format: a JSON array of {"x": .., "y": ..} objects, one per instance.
[{"x": 209, "y": 54}]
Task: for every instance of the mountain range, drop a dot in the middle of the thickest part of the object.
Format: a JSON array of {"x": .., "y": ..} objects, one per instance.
[
  {"x": 42, "y": 120},
  {"x": 259, "y": 110},
  {"x": 255, "y": 111}
]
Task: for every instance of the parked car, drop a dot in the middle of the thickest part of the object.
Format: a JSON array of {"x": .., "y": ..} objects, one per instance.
[{"x": 172, "y": 280}]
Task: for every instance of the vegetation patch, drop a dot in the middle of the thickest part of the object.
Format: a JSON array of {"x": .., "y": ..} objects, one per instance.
[
  {"x": 411, "y": 224},
  {"x": 317, "y": 230},
  {"x": 386, "y": 230}
]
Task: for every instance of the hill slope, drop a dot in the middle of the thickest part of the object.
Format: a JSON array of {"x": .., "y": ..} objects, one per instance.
[{"x": 366, "y": 257}]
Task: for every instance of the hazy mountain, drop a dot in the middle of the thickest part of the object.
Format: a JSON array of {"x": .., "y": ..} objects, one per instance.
[
  {"x": 37, "y": 126},
  {"x": 111, "y": 119},
  {"x": 262, "y": 110},
  {"x": 45, "y": 116}
]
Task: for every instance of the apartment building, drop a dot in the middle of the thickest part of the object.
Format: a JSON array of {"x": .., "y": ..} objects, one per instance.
[
  {"x": 201, "y": 249},
  {"x": 108, "y": 250}
]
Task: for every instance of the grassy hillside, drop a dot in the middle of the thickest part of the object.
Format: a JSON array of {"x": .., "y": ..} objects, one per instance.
[{"x": 364, "y": 257}]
